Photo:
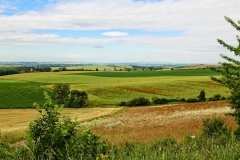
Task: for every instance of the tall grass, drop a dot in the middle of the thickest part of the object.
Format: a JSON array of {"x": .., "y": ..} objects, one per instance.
[{"x": 191, "y": 149}]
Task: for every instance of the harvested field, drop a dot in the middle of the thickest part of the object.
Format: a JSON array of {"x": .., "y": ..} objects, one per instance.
[
  {"x": 144, "y": 124},
  {"x": 18, "y": 119}
]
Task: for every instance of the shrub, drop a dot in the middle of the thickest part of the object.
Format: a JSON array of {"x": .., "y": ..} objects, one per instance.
[
  {"x": 54, "y": 137},
  {"x": 140, "y": 101},
  {"x": 215, "y": 128},
  {"x": 173, "y": 100},
  {"x": 182, "y": 100},
  {"x": 216, "y": 97},
  {"x": 87, "y": 145},
  {"x": 157, "y": 100},
  {"x": 123, "y": 103},
  {"x": 191, "y": 100},
  {"x": 223, "y": 98}
]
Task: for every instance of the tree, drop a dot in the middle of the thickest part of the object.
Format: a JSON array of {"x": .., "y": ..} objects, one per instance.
[
  {"x": 77, "y": 99},
  {"x": 230, "y": 71},
  {"x": 201, "y": 96},
  {"x": 60, "y": 93}
]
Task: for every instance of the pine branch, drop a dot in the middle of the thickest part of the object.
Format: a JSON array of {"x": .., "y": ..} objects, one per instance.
[
  {"x": 232, "y": 23},
  {"x": 229, "y": 47},
  {"x": 230, "y": 59}
]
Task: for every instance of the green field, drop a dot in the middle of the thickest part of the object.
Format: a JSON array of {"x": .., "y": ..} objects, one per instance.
[
  {"x": 183, "y": 72},
  {"x": 110, "y": 88},
  {"x": 18, "y": 94}
]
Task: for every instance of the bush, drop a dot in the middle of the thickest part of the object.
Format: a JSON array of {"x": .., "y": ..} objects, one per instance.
[
  {"x": 87, "y": 145},
  {"x": 216, "y": 97},
  {"x": 173, "y": 100},
  {"x": 191, "y": 100},
  {"x": 215, "y": 128},
  {"x": 55, "y": 137},
  {"x": 182, "y": 100},
  {"x": 140, "y": 101},
  {"x": 223, "y": 98},
  {"x": 159, "y": 100},
  {"x": 123, "y": 103}
]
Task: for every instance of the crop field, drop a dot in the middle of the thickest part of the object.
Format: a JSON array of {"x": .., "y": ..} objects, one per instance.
[
  {"x": 19, "y": 94},
  {"x": 109, "y": 88},
  {"x": 146, "y": 124},
  {"x": 18, "y": 119}
]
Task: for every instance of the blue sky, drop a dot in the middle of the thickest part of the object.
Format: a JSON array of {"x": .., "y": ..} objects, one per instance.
[{"x": 182, "y": 31}]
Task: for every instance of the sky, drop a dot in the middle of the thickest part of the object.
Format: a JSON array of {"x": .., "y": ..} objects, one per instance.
[{"x": 116, "y": 31}]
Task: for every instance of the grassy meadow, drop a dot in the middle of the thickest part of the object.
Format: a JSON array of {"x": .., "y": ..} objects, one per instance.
[{"x": 109, "y": 88}]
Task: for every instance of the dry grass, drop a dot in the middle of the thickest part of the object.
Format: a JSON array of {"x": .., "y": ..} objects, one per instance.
[
  {"x": 145, "y": 124},
  {"x": 18, "y": 119}
]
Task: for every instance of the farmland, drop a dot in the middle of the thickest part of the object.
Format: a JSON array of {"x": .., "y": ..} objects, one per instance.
[
  {"x": 109, "y": 88},
  {"x": 18, "y": 119},
  {"x": 127, "y": 128}
]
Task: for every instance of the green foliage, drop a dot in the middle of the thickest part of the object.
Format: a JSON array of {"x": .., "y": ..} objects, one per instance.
[
  {"x": 215, "y": 128},
  {"x": 216, "y": 97},
  {"x": 192, "y": 100},
  {"x": 87, "y": 145},
  {"x": 56, "y": 137},
  {"x": 77, "y": 99},
  {"x": 140, "y": 101},
  {"x": 157, "y": 100},
  {"x": 51, "y": 133},
  {"x": 231, "y": 73},
  {"x": 5, "y": 151},
  {"x": 182, "y": 100},
  {"x": 123, "y": 103},
  {"x": 201, "y": 96},
  {"x": 165, "y": 145},
  {"x": 60, "y": 93}
]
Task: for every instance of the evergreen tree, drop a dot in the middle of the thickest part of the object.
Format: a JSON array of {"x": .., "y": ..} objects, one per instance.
[
  {"x": 230, "y": 71},
  {"x": 201, "y": 96}
]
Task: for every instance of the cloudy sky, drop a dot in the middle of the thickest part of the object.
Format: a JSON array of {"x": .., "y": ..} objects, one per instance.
[{"x": 178, "y": 31}]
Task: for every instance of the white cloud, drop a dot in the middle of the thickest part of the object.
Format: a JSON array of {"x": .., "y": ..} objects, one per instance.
[
  {"x": 115, "y": 34},
  {"x": 201, "y": 20}
]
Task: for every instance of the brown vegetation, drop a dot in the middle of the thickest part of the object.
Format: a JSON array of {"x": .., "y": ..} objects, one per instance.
[{"x": 144, "y": 124}]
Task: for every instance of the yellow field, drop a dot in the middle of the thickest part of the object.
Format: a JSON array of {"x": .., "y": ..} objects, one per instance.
[{"x": 18, "y": 119}]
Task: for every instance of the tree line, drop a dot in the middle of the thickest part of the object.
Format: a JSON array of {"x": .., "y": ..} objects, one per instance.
[{"x": 18, "y": 70}]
